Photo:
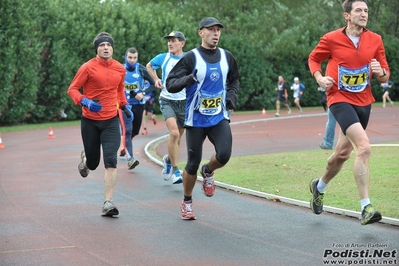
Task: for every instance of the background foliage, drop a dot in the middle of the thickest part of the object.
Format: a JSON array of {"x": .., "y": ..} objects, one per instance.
[{"x": 44, "y": 42}]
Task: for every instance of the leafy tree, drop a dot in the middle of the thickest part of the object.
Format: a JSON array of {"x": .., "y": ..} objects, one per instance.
[{"x": 20, "y": 39}]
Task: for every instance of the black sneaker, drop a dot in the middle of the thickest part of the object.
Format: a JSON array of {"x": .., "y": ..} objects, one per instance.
[
  {"x": 132, "y": 163},
  {"x": 82, "y": 168},
  {"x": 316, "y": 202},
  {"x": 370, "y": 215}
]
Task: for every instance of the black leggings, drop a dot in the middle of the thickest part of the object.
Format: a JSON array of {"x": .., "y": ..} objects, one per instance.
[
  {"x": 101, "y": 133},
  {"x": 137, "y": 110},
  {"x": 219, "y": 135}
]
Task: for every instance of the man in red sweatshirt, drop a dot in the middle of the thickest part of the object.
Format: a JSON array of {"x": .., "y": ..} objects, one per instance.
[
  {"x": 102, "y": 79},
  {"x": 354, "y": 55}
]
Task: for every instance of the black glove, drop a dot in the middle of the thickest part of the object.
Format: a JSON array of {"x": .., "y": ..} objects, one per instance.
[
  {"x": 132, "y": 94},
  {"x": 230, "y": 104},
  {"x": 192, "y": 78}
]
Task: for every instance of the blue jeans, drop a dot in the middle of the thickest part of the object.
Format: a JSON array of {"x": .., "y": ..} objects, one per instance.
[{"x": 330, "y": 130}]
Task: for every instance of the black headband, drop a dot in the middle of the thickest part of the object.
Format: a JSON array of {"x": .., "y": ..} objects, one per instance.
[{"x": 101, "y": 40}]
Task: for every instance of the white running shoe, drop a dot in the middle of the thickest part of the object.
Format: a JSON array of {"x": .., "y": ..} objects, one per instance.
[{"x": 167, "y": 168}]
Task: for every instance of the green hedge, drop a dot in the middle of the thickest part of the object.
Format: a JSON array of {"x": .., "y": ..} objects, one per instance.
[{"x": 45, "y": 41}]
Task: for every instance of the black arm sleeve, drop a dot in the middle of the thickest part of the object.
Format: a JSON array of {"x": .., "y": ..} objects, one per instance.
[
  {"x": 178, "y": 77},
  {"x": 147, "y": 76},
  {"x": 232, "y": 91},
  {"x": 232, "y": 79}
]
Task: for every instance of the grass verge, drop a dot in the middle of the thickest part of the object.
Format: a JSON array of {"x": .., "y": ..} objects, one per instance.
[
  {"x": 38, "y": 126},
  {"x": 288, "y": 175}
]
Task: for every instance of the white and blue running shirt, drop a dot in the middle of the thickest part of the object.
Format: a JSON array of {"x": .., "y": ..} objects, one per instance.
[
  {"x": 206, "y": 101},
  {"x": 134, "y": 81},
  {"x": 166, "y": 62}
]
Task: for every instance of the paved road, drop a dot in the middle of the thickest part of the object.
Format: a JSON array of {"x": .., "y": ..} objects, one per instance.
[{"x": 51, "y": 216}]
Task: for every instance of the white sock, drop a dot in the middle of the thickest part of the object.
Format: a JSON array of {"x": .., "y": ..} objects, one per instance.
[
  {"x": 364, "y": 203},
  {"x": 321, "y": 186}
]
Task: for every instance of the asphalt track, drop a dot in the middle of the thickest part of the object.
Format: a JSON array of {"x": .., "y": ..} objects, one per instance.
[{"x": 51, "y": 216}]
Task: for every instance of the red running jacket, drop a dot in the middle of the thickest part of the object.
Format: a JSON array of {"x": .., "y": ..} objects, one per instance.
[
  {"x": 348, "y": 66},
  {"x": 103, "y": 81}
]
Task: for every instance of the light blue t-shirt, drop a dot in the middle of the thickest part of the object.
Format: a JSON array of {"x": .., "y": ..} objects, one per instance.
[{"x": 166, "y": 62}]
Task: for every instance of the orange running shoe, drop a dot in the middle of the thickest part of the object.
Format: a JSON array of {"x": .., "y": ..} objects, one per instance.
[
  {"x": 154, "y": 120},
  {"x": 144, "y": 132},
  {"x": 187, "y": 210},
  {"x": 208, "y": 184}
]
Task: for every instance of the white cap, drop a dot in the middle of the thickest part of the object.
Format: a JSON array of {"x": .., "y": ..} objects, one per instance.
[{"x": 296, "y": 79}]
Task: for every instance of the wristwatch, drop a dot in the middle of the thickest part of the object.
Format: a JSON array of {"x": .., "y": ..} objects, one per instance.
[{"x": 385, "y": 73}]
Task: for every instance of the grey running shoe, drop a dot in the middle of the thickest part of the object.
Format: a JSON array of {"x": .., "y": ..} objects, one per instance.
[
  {"x": 82, "y": 168},
  {"x": 109, "y": 209},
  {"x": 370, "y": 215},
  {"x": 132, "y": 163},
  {"x": 324, "y": 146},
  {"x": 316, "y": 202}
]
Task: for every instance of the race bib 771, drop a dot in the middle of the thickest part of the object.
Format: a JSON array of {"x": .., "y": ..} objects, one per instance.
[{"x": 353, "y": 79}]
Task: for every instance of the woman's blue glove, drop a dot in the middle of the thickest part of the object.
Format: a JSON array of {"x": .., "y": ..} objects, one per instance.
[
  {"x": 91, "y": 105},
  {"x": 127, "y": 109}
]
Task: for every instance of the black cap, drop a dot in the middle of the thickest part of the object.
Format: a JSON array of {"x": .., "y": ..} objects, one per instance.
[
  {"x": 176, "y": 34},
  {"x": 209, "y": 22}
]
